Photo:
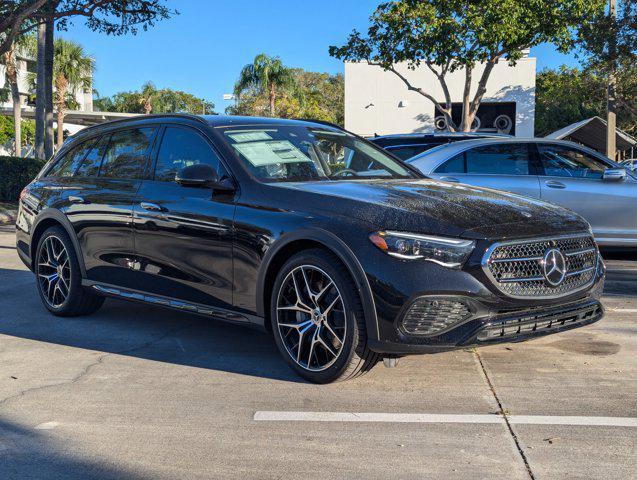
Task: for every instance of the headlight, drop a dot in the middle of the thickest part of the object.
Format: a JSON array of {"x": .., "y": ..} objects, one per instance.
[{"x": 449, "y": 252}]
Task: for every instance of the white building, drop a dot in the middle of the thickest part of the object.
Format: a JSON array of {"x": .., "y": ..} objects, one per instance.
[{"x": 378, "y": 102}]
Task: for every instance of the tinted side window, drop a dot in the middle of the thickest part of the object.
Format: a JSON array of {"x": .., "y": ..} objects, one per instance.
[
  {"x": 559, "y": 161},
  {"x": 68, "y": 164},
  {"x": 126, "y": 154},
  {"x": 182, "y": 147},
  {"x": 505, "y": 159},
  {"x": 454, "y": 165},
  {"x": 407, "y": 151},
  {"x": 91, "y": 163}
]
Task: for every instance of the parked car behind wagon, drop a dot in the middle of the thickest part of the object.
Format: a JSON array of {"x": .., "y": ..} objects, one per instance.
[
  {"x": 557, "y": 171},
  {"x": 407, "y": 145}
]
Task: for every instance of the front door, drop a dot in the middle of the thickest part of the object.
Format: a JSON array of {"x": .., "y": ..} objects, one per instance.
[
  {"x": 184, "y": 235},
  {"x": 573, "y": 179}
]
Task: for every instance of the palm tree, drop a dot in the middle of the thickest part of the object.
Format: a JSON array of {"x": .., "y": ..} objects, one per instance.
[
  {"x": 266, "y": 75},
  {"x": 72, "y": 69},
  {"x": 11, "y": 74},
  {"x": 147, "y": 96},
  {"x": 10, "y": 61}
]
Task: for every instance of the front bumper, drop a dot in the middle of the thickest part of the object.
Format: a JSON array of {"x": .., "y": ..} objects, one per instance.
[
  {"x": 507, "y": 327},
  {"x": 492, "y": 317}
]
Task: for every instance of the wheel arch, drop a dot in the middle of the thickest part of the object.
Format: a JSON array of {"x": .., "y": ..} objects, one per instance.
[
  {"x": 51, "y": 218},
  {"x": 295, "y": 242}
]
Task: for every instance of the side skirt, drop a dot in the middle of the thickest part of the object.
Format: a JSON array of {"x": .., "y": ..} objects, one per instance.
[{"x": 205, "y": 310}]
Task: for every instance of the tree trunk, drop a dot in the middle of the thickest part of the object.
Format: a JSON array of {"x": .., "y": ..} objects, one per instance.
[
  {"x": 61, "y": 86},
  {"x": 148, "y": 107},
  {"x": 272, "y": 96},
  {"x": 17, "y": 118},
  {"x": 40, "y": 96},
  {"x": 12, "y": 78},
  {"x": 48, "y": 86},
  {"x": 467, "y": 116}
]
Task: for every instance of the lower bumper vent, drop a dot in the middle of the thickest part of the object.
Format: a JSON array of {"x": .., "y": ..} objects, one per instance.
[
  {"x": 537, "y": 323},
  {"x": 430, "y": 316}
]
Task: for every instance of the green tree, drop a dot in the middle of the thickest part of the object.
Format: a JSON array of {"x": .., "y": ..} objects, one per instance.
[
  {"x": 451, "y": 35},
  {"x": 311, "y": 95},
  {"x": 565, "y": 96},
  {"x": 7, "y": 131},
  {"x": 608, "y": 47},
  {"x": 72, "y": 71},
  {"x": 568, "y": 95},
  {"x": 113, "y": 17},
  {"x": 147, "y": 96},
  {"x": 264, "y": 75},
  {"x": 150, "y": 99}
]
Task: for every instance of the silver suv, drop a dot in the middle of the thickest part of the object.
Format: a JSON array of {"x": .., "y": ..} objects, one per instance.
[{"x": 557, "y": 171}]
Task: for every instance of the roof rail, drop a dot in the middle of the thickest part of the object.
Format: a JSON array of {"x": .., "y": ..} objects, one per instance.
[
  {"x": 156, "y": 115},
  {"x": 322, "y": 122}
]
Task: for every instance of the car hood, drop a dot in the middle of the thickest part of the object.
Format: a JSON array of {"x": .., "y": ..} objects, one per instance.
[{"x": 434, "y": 207}]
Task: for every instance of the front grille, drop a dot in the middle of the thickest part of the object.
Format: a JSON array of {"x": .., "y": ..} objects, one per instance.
[
  {"x": 517, "y": 268},
  {"x": 538, "y": 322},
  {"x": 430, "y": 316}
]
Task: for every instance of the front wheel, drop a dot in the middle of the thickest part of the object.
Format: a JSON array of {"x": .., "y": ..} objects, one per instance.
[{"x": 317, "y": 319}]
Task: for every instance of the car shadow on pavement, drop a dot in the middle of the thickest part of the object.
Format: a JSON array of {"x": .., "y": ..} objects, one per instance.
[
  {"x": 143, "y": 331},
  {"x": 30, "y": 453}
]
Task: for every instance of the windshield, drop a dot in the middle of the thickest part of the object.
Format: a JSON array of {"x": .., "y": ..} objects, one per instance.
[{"x": 297, "y": 153}]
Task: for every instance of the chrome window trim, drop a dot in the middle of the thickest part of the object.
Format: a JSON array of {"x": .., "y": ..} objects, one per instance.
[{"x": 494, "y": 282}]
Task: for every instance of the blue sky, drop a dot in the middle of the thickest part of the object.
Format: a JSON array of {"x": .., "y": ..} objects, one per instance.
[{"x": 202, "y": 50}]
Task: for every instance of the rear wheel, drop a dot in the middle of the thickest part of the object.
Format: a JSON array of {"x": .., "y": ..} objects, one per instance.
[
  {"x": 317, "y": 319},
  {"x": 58, "y": 276}
]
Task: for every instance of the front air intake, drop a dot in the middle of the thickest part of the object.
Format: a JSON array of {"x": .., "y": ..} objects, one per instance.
[{"x": 431, "y": 316}]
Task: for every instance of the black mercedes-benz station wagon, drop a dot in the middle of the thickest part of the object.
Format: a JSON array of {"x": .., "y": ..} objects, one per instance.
[{"x": 345, "y": 254}]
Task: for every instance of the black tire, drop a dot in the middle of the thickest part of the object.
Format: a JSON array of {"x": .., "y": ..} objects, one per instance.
[
  {"x": 79, "y": 300},
  {"x": 354, "y": 358}
]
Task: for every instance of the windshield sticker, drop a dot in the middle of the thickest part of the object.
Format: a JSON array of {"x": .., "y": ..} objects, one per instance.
[
  {"x": 249, "y": 136},
  {"x": 260, "y": 154}
]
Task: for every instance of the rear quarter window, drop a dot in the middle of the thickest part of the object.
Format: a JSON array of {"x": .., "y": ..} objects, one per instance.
[{"x": 68, "y": 163}]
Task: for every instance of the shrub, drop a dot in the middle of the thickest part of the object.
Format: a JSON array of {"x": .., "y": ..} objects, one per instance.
[{"x": 15, "y": 174}]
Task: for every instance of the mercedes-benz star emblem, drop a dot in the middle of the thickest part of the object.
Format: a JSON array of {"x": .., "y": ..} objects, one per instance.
[{"x": 554, "y": 265}]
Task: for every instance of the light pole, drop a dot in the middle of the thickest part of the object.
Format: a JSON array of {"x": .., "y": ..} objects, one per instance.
[{"x": 611, "y": 104}]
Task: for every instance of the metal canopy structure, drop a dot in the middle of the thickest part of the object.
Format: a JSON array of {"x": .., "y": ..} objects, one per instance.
[
  {"x": 592, "y": 133},
  {"x": 75, "y": 117}
]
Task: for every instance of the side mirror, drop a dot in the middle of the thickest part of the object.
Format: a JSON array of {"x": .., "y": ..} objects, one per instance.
[
  {"x": 203, "y": 176},
  {"x": 198, "y": 175},
  {"x": 614, "y": 174}
]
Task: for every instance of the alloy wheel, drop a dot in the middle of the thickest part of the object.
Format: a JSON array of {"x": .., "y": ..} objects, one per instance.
[
  {"x": 54, "y": 271},
  {"x": 311, "y": 318}
]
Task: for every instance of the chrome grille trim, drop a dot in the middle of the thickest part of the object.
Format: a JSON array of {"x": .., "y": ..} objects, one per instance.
[{"x": 514, "y": 267}]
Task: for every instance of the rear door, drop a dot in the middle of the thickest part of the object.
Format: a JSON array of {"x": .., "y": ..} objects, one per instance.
[
  {"x": 101, "y": 199},
  {"x": 573, "y": 178},
  {"x": 505, "y": 166},
  {"x": 184, "y": 235}
]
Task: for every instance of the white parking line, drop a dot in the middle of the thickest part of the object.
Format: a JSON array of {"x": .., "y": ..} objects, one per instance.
[{"x": 283, "y": 416}]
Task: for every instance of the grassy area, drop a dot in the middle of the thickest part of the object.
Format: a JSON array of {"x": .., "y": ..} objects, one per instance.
[{"x": 8, "y": 211}]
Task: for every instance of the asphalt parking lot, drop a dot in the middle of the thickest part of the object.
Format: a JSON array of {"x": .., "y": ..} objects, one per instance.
[{"x": 139, "y": 392}]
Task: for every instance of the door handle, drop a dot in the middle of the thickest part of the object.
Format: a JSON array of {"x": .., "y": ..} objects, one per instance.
[
  {"x": 450, "y": 179},
  {"x": 554, "y": 184},
  {"x": 152, "y": 207},
  {"x": 76, "y": 199}
]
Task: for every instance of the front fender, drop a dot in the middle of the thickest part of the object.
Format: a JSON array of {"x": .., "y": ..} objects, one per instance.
[{"x": 337, "y": 246}]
